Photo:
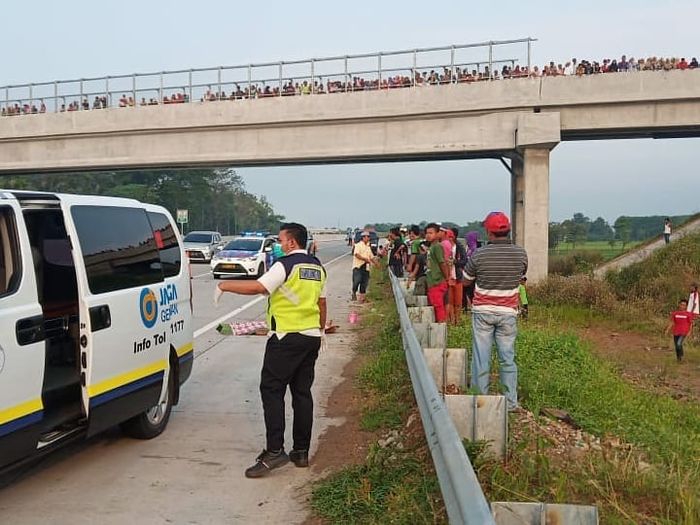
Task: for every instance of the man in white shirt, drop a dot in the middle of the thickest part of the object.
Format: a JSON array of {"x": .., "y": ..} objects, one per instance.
[{"x": 296, "y": 316}]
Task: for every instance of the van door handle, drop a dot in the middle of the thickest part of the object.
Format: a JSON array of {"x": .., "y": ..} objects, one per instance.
[
  {"x": 30, "y": 330},
  {"x": 100, "y": 317}
]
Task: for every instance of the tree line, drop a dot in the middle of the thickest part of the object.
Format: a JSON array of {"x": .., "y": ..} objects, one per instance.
[
  {"x": 216, "y": 199},
  {"x": 578, "y": 229}
]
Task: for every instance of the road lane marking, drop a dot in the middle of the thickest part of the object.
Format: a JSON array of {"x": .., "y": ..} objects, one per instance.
[{"x": 240, "y": 309}]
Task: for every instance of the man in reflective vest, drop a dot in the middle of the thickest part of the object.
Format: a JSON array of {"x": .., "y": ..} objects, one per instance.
[{"x": 296, "y": 315}]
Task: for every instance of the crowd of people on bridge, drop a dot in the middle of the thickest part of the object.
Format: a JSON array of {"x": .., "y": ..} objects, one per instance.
[{"x": 412, "y": 78}]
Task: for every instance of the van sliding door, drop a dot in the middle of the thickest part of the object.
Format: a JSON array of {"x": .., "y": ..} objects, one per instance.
[{"x": 124, "y": 348}]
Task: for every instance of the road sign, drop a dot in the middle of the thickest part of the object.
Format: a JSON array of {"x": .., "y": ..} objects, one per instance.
[{"x": 182, "y": 216}]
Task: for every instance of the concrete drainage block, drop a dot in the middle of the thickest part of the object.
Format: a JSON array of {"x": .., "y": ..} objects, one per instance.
[
  {"x": 510, "y": 513},
  {"x": 421, "y": 314},
  {"x": 431, "y": 335},
  {"x": 448, "y": 367},
  {"x": 481, "y": 418}
]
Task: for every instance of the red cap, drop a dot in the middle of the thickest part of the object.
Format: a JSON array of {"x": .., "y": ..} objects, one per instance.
[
  {"x": 450, "y": 234},
  {"x": 497, "y": 222}
]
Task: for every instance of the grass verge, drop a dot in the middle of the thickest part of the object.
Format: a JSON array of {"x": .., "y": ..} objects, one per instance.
[
  {"x": 397, "y": 483},
  {"x": 656, "y": 479}
]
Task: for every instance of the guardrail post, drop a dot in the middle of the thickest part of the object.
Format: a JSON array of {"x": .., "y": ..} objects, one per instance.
[
  {"x": 108, "y": 97},
  {"x": 218, "y": 84},
  {"x": 250, "y": 77},
  {"x": 280, "y": 70},
  {"x": 490, "y": 60},
  {"x": 415, "y": 59},
  {"x": 312, "y": 77},
  {"x": 189, "y": 84},
  {"x": 529, "y": 53},
  {"x": 31, "y": 96},
  {"x": 379, "y": 71},
  {"x": 452, "y": 65},
  {"x": 133, "y": 89},
  {"x": 347, "y": 80},
  {"x": 160, "y": 89},
  {"x": 55, "y": 97},
  {"x": 80, "y": 104}
]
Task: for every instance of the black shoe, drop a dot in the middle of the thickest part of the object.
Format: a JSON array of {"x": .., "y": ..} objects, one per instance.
[
  {"x": 299, "y": 457},
  {"x": 266, "y": 462}
]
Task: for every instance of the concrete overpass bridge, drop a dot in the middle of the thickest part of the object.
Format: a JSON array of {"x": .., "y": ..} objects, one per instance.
[{"x": 517, "y": 119}]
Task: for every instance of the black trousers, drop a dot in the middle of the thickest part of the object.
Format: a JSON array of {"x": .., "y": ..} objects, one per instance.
[
  {"x": 360, "y": 280},
  {"x": 289, "y": 362}
]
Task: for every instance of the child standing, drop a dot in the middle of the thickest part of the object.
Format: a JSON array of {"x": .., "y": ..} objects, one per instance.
[
  {"x": 522, "y": 291},
  {"x": 681, "y": 324}
]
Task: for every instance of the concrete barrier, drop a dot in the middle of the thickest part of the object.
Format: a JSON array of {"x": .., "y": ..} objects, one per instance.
[
  {"x": 481, "y": 418},
  {"x": 507, "y": 513}
]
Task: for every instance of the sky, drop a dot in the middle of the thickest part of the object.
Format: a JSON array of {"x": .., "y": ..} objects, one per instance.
[{"x": 76, "y": 38}]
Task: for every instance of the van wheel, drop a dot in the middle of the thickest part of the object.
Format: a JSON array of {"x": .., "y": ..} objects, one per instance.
[
  {"x": 153, "y": 421},
  {"x": 261, "y": 271}
]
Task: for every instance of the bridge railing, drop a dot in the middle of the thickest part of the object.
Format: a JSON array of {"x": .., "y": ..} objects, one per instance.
[{"x": 270, "y": 79}]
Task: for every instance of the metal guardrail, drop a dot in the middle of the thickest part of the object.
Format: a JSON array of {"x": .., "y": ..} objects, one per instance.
[
  {"x": 191, "y": 84},
  {"x": 464, "y": 500}
]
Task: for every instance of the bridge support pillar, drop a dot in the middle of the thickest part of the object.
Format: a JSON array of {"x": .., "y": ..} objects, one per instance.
[{"x": 530, "y": 208}]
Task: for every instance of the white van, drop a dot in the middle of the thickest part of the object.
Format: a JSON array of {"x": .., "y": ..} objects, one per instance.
[{"x": 95, "y": 319}]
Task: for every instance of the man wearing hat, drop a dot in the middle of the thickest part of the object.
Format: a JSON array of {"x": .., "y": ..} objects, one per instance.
[
  {"x": 362, "y": 258},
  {"x": 496, "y": 269}
]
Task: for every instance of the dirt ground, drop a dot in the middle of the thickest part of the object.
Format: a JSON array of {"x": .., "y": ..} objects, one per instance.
[{"x": 649, "y": 362}]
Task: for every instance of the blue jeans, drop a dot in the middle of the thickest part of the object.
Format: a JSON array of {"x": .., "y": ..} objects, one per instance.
[{"x": 503, "y": 328}]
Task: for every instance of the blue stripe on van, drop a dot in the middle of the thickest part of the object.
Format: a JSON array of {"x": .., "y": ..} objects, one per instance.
[
  {"x": 126, "y": 389},
  {"x": 20, "y": 423},
  {"x": 186, "y": 357}
]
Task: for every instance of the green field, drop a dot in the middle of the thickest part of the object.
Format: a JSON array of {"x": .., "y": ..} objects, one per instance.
[{"x": 604, "y": 248}]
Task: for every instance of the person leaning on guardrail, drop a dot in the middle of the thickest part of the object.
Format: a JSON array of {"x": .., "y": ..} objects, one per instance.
[{"x": 496, "y": 269}]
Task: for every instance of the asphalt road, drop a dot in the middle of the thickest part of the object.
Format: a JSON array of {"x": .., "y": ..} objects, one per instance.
[{"x": 193, "y": 472}]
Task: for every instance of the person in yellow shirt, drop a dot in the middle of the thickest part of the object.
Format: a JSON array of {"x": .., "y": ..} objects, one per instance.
[{"x": 362, "y": 258}]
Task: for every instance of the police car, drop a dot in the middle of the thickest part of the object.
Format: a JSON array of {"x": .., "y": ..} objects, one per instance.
[{"x": 247, "y": 255}]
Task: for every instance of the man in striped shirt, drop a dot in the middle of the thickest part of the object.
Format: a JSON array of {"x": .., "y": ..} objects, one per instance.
[{"x": 497, "y": 269}]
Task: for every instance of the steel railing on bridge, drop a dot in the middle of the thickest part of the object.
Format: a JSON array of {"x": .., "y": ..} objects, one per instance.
[{"x": 268, "y": 79}]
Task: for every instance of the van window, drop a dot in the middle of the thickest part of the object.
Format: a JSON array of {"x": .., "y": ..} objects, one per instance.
[
  {"x": 118, "y": 247},
  {"x": 10, "y": 261},
  {"x": 166, "y": 242}
]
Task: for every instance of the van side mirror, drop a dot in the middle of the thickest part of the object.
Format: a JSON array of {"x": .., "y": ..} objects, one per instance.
[{"x": 267, "y": 249}]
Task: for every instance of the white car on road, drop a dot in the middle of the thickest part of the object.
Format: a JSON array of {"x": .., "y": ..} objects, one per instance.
[{"x": 247, "y": 256}]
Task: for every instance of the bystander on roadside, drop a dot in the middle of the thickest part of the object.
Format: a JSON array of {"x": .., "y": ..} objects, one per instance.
[
  {"x": 496, "y": 270},
  {"x": 362, "y": 259},
  {"x": 438, "y": 272},
  {"x": 680, "y": 326}
]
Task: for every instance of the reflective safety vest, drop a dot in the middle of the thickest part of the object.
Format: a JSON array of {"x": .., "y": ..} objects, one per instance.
[{"x": 293, "y": 307}]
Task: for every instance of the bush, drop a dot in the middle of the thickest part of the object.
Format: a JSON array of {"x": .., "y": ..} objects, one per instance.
[
  {"x": 663, "y": 279},
  {"x": 576, "y": 290},
  {"x": 574, "y": 262}
]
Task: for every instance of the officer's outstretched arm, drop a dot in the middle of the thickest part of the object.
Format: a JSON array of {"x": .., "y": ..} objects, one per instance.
[{"x": 243, "y": 287}]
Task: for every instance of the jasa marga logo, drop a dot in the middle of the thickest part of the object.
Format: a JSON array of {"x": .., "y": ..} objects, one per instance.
[{"x": 149, "y": 307}]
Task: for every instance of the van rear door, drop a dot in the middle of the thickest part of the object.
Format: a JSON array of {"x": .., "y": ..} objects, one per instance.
[
  {"x": 124, "y": 349},
  {"x": 22, "y": 351}
]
